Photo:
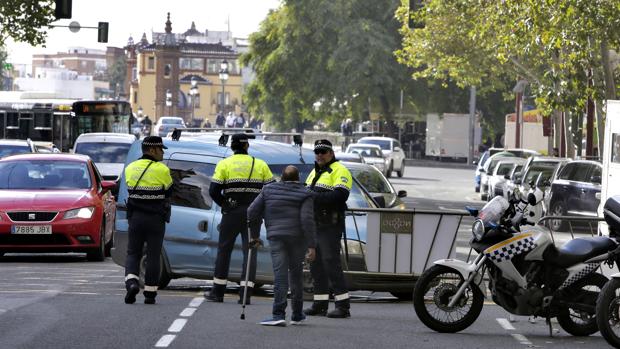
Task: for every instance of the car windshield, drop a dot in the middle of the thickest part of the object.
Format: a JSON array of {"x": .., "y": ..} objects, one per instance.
[
  {"x": 546, "y": 168},
  {"x": 173, "y": 121},
  {"x": 372, "y": 180},
  {"x": 6, "y": 150},
  {"x": 366, "y": 152},
  {"x": 384, "y": 144},
  {"x": 104, "y": 152},
  {"x": 44, "y": 174}
]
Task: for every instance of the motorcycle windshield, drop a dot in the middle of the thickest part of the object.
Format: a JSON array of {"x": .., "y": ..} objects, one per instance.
[{"x": 493, "y": 211}]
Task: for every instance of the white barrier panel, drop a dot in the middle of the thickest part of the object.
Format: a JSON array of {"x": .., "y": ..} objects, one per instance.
[{"x": 407, "y": 242}]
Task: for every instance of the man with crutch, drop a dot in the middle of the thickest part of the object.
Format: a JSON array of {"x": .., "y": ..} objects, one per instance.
[
  {"x": 287, "y": 207},
  {"x": 237, "y": 181}
]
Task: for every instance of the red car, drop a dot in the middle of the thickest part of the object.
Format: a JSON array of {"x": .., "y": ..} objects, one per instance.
[{"x": 55, "y": 203}]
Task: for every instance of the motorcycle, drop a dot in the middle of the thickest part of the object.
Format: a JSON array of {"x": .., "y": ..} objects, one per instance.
[
  {"x": 608, "y": 302},
  {"x": 527, "y": 274}
]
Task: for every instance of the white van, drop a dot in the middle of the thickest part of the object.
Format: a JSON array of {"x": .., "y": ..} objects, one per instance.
[
  {"x": 610, "y": 182},
  {"x": 107, "y": 150}
]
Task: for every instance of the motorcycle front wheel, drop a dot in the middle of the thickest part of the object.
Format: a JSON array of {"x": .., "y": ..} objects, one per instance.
[
  {"x": 608, "y": 312},
  {"x": 585, "y": 291},
  {"x": 432, "y": 294}
]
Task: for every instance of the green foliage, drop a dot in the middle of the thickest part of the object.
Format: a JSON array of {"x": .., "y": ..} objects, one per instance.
[
  {"x": 117, "y": 73},
  {"x": 25, "y": 20}
]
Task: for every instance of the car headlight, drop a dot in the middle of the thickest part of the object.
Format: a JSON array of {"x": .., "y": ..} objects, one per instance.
[
  {"x": 478, "y": 229},
  {"x": 84, "y": 212}
]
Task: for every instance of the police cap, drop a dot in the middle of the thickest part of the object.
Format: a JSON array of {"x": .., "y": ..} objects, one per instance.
[
  {"x": 153, "y": 141},
  {"x": 322, "y": 146},
  {"x": 238, "y": 140}
]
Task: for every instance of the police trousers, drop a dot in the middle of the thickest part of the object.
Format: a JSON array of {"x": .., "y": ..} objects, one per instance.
[
  {"x": 149, "y": 228},
  {"x": 326, "y": 269},
  {"x": 233, "y": 223}
]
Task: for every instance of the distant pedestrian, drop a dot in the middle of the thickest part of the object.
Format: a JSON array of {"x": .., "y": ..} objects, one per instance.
[
  {"x": 230, "y": 120},
  {"x": 220, "y": 120},
  {"x": 240, "y": 121},
  {"x": 287, "y": 208},
  {"x": 207, "y": 124}
]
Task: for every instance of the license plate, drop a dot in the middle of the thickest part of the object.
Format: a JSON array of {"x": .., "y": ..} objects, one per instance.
[{"x": 31, "y": 229}]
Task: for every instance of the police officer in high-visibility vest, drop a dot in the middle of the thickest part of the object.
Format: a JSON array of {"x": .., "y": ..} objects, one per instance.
[
  {"x": 148, "y": 209},
  {"x": 237, "y": 181},
  {"x": 331, "y": 183}
]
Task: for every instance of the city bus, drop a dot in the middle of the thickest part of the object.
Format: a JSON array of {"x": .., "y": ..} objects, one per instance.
[{"x": 40, "y": 117}]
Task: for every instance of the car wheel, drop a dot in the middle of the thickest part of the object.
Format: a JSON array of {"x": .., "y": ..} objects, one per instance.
[
  {"x": 390, "y": 169},
  {"x": 558, "y": 209},
  {"x": 164, "y": 276},
  {"x": 98, "y": 253},
  {"x": 401, "y": 172}
]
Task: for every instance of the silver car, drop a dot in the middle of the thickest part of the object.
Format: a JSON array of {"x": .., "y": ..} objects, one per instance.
[
  {"x": 392, "y": 152},
  {"x": 372, "y": 155}
]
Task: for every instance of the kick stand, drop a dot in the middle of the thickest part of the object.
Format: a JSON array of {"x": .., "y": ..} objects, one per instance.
[{"x": 550, "y": 327}]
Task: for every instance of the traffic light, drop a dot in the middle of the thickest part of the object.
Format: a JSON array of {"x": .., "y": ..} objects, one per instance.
[
  {"x": 414, "y": 6},
  {"x": 102, "y": 32},
  {"x": 63, "y": 9}
]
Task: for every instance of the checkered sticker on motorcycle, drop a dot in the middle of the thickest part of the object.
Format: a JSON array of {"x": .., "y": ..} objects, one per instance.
[
  {"x": 587, "y": 269},
  {"x": 506, "y": 250}
]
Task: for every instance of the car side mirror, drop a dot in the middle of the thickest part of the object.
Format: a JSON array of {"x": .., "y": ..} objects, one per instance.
[
  {"x": 402, "y": 193},
  {"x": 107, "y": 186},
  {"x": 596, "y": 179},
  {"x": 380, "y": 200}
]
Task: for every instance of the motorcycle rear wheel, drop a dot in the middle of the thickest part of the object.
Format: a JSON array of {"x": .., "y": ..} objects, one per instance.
[
  {"x": 577, "y": 322},
  {"x": 433, "y": 292},
  {"x": 608, "y": 312}
]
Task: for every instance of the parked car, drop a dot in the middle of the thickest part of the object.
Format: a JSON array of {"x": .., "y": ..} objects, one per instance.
[
  {"x": 375, "y": 183},
  {"x": 191, "y": 240},
  {"x": 521, "y": 153},
  {"x": 350, "y": 157},
  {"x": 392, "y": 151},
  {"x": 501, "y": 174},
  {"x": 55, "y": 203},
  {"x": 107, "y": 150},
  {"x": 45, "y": 147},
  {"x": 487, "y": 172},
  {"x": 507, "y": 187},
  {"x": 16, "y": 146},
  {"x": 371, "y": 153},
  {"x": 166, "y": 124},
  {"x": 575, "y": 192}
]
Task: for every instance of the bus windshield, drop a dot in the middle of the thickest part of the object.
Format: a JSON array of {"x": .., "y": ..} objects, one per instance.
[{"x": 102, "y": 116}]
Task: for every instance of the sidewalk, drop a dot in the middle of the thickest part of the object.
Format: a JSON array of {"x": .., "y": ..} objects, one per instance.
[{"x": 433, "y": 163}]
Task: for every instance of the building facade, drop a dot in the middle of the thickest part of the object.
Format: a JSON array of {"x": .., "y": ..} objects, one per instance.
[{"x": 169, "y": 63}]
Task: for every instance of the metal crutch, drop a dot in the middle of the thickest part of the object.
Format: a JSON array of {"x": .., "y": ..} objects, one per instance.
[{"x": 247, "y": 274}]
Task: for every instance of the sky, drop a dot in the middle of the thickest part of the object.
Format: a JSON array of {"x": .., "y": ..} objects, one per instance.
[{"x": 134, "y": 17}]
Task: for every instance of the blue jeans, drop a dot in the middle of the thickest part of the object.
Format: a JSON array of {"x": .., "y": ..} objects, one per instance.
[{"x": 287, "y": 255}]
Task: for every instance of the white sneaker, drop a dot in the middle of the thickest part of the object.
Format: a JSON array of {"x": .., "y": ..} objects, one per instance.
[{"x": 273, "y": 322}]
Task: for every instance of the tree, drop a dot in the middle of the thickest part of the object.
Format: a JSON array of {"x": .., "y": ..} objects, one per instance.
[
  {"x": 117, "y": 74},
  {"x": 25, "y": 20}
]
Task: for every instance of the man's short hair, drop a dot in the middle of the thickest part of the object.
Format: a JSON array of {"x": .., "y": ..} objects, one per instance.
[{"x": 290, "y": 174}]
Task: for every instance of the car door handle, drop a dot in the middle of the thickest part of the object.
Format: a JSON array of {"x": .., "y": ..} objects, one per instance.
[{"x": 203, "y": 226}]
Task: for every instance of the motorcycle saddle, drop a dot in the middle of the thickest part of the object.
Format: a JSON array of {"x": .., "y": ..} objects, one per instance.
[{"x": 579, "y": 250}]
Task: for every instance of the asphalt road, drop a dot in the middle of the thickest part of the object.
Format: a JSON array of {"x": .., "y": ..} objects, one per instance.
[{"x": 63, "y": 301}]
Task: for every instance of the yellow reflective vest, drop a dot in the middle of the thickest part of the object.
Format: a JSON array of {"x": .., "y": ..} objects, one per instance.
[
  {"x": 332, "y": 185},
  {"x": 242, "y": 177},
  {"x": 152, "y": 189}
]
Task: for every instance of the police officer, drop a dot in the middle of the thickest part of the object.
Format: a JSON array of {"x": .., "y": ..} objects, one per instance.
[
  {"x": 148, "y": 209},
  {"x": 331, "y": 183},
  {"x": 237, "y": 181}
]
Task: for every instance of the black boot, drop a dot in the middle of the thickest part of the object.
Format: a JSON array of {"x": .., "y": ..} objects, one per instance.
[
  {"x": 318, "y": 308},
  {"x": 247, "y": 297},
  {"x": 149, "y": 297},
  {"x": 132, "y": 290},
  {"x": 210, "y": 296},
  {"x": 339, "y": 313}
]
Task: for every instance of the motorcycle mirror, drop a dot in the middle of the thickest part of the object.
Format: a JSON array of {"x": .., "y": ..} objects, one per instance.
[
  {"x": 472, "y": 211},
  {"x": 531, "y": 199}
]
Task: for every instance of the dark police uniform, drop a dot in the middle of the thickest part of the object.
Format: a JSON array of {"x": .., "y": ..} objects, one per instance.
[
  {"x": 148, "y": 209},
  {"x": 237, "y": 181},
  {"x": 331, "y": 185}
]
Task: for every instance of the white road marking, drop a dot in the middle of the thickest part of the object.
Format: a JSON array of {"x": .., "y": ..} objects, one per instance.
[
  {"x": 177, "y": 325},
  {"x": 187, "y": 312},
  {"x": 196, "y": 302},
  {"x": 165, "y": 340},
  {"x": 505, "y": 324},
  {"x": 521, "y": 339}
]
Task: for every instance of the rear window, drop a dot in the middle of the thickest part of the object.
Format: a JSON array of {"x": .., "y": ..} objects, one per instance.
[
  {"x": 546, "y": 168},
  {"x": 175, "y": 121},
  {"x": 504, "y": 169},
  {"x": 104, "y": 152},
  {"x": 6, "y": 150}
]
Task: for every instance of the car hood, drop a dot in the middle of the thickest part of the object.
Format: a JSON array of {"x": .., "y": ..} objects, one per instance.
[
  {"x": 110, "y": 169},
  {"x": 35, "y": 200}
]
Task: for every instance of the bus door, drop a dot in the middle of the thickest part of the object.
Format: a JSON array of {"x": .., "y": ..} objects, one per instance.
[
  {"x": 62, "y": 131},
  {"x": 42, "y": 125},
  {"x": 10, "y": 119},
  {"x": 25, "y": 123}
]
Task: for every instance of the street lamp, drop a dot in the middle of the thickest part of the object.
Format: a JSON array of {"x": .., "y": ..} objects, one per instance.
[
  {"x": 168, "y": 100},
  {"x": 223, "y": 78},
  {"x": 193, "y": 92}
]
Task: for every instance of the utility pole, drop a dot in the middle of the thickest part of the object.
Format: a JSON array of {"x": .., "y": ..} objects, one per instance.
[{"x": 472, "y": 123}]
